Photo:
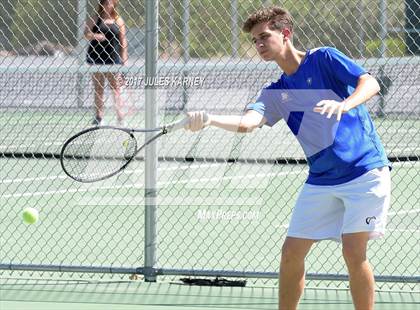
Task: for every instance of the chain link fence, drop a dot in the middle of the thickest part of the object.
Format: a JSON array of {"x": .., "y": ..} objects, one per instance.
[{"x": 222, "y": 201}]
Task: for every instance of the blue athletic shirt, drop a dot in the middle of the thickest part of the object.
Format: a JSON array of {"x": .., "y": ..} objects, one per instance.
[{"x": 337, "y": 152}]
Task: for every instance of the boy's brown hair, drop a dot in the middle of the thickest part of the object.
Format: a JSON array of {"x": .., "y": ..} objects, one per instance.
[{"x": 277, "y": 17}]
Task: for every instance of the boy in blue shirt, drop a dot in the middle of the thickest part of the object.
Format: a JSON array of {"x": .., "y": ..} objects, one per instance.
[{"x": 347, "y": 193}]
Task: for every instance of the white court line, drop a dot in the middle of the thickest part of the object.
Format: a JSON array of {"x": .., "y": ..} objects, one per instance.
[
  {"x": 411, "y": 149},
  {"x": 405, "y": 163},
  {"x": 42, "y": 142},
  {"x": 410, "y": 230},
  {"x": 127, "y": 171},
  {"x": 35, "y": 194},
  {"x": 404, "y": 212},
  {"x": 403, "y": 230},
  {"x": 55, "y": 177},
  {"x": 393, "y": 150},
  {"x": 217, "y": 179}
]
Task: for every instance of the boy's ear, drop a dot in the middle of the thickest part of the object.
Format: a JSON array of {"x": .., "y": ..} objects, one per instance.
[{"x": 287, "y": 34}]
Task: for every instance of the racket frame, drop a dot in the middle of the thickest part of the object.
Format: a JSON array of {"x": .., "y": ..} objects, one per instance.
[{"x": 161, "y": 131}]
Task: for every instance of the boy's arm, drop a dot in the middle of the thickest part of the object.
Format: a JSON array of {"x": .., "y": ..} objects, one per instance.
[
  {"x": 366, "y": 88},
  {"x": 236, "y": 123}
]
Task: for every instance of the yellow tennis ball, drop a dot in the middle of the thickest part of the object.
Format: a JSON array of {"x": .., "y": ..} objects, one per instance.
[
  {"x": 30, "y": 215},
  {"x": 125, "y": 144}
]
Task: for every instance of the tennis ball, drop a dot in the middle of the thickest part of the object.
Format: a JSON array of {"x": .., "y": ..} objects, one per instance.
[
  {"x": 125, "y": 144},
  {"x": 30, "y": 215}
]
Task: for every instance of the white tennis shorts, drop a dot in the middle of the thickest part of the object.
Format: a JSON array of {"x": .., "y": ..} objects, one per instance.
[{"x": 327, "y": 212}]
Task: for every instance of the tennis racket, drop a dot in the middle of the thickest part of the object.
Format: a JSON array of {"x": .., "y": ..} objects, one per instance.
[{"x": 101, "y": 152}]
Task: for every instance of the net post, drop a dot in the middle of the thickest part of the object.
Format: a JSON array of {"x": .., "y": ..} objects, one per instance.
[
  {"x": 234, "y": 26},
  {"x": 382, "y": 51},
  {"x": 186, "y": 31},
  {"x": 383, "y": 32},
  {"x": 81, "y": 44},
  {"x": 185, "y": 48},
  {"x": 151, "y": 158}
]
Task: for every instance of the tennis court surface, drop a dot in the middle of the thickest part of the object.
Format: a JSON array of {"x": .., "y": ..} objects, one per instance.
[
  {"x": 126, "y": 295},
  {"x": 213, "y": 214},
  {"x": 204, "y": 205}
]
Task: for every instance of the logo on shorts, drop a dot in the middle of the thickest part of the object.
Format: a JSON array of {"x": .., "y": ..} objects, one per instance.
[{"x": 370, "y": 219}]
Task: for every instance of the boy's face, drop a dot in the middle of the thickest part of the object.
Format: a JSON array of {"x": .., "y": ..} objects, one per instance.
[{"x": 269, "y": 43}]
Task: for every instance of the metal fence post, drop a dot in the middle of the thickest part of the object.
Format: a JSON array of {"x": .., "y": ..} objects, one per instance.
[{"x": 151, "y": 159}]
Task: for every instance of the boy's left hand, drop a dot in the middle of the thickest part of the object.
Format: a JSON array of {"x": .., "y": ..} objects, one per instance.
[{"x": 331, "y": 107}]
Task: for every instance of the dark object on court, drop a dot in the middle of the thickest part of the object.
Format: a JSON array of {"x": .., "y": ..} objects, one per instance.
[{"x": 215, "y": 282}]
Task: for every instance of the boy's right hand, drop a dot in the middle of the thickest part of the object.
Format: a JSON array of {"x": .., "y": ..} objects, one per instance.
[{"x": 198, "y": 120}]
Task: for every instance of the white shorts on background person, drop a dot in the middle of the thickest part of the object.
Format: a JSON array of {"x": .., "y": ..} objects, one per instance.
[{"x": 360, "y": 205}]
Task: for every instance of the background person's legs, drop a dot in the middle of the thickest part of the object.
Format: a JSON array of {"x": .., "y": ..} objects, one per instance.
[
  {"x": 99, "y": 84},
  {"x": 115, "y": 83}
]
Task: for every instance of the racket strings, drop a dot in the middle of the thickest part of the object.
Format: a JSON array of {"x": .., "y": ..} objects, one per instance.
[
  {"x": 98, "y": 154},
  {"x": 101, "y": 152}
]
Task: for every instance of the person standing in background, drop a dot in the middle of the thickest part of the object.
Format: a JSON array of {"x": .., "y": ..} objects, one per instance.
[{"x": 106, "y": 33}]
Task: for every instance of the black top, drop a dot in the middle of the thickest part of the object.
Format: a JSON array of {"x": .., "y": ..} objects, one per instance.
[{"x": 107, "y": 51}]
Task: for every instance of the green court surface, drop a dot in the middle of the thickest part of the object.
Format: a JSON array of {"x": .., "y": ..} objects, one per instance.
[
  {"x": 102, "y": 224},
  {"x": 128, "y": 295}
]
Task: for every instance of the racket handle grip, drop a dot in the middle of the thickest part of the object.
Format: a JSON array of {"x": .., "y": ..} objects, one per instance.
[
  {"x": 177, "y": 125},
  {"x": 181, "y": 123}
]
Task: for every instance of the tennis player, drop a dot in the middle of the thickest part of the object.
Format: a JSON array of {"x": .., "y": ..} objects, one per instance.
[
  {"x": 347, "y": 193},
  {"x": 106, "y": 33}
]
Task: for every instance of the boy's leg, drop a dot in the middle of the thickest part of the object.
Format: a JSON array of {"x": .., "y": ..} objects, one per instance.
[
  {"x": 362, "y": 283},
  {"x": 317, "y": 215},
  {"x": 292, "y": 271},
  {"x": 366, "y": 201}
]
